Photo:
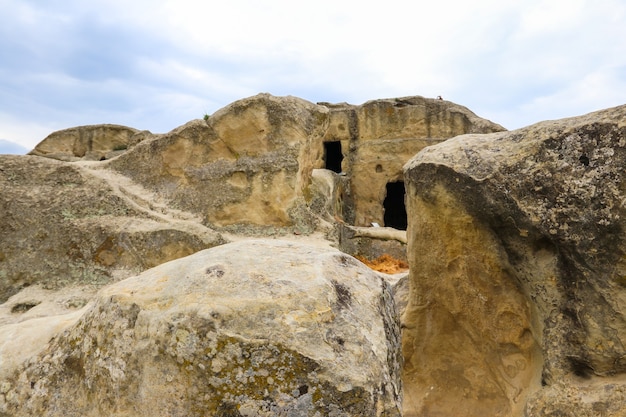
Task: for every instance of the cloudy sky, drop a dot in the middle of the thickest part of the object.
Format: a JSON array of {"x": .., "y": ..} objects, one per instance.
[{"x": 156, "y": 64}]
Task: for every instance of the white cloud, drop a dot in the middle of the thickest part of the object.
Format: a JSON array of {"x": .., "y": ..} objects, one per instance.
[
  {"x": 550, "y": 17},
  {"x": 597, "y": 90},
  {"x": 157, "y": 64}
]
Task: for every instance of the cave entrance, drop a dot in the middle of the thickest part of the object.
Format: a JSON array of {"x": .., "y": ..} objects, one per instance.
[
  {"x": 395, "y": 210},
  {"x": 333, "y": 156}
]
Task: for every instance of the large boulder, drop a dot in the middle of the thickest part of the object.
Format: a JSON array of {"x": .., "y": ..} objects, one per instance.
[
  {"x": 253, "y": 328},
  {"x": 92, "y": 142},
  {"x": 517, "y": 284},
  {"x": 66, "y": 224}
]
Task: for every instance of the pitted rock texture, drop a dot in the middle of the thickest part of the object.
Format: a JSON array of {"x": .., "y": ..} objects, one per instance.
[
  {"x": 516, "y": 247},
  {"x": 254, "y": 328}
]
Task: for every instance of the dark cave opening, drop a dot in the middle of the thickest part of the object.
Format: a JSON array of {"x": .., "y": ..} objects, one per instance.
[
  {"x": 333, "y": 156},
  {"x": 395, "y": 210}
]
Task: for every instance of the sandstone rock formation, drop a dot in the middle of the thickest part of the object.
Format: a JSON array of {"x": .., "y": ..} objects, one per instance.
[
  {"x": 248, "y": 164},
  {"x": 255, "y": 157},
  {"x": 96, "y": 143},
  {"x": 255, "y": 166},
  {"x": 517, "y": 249},
  {"x": 71, "y": 224},
  {"x": 254, "y": 328},
  {"x": 108, "y": 202},
  {"x": 379, "y": 136}
]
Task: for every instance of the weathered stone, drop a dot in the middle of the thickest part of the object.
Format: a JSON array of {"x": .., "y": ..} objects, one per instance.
[
  {"x": 328, "y": 195},
  {"x": 94, "y": 142},
  {"x": 65, "y": 224},
  {"x": 385, "y": 134},
  {"x": 247, "y": 169},
  {"x": 249, "y": 163},
  {"x": 254, "y": 328},
  {"x": 253, "y": 164},
  {"x": 516, "y": 247},
  {"x": 573, "y": 397},
  {"x": 516, "y": 242},
  {"x": 255, "y": 157}
]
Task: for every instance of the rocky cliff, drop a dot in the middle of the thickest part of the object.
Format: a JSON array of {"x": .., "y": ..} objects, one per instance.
[
  {"x": 263, "y": 328},
  {"x": 197, "y": 272},
  {"x": 255, "y": 157},
  {"x": 122, "y": 201}
]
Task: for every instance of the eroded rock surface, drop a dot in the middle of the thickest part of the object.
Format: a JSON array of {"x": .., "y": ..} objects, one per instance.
[
  {"x": 254, "y": 328},
  {"x": 66, "y": 224},
  {"x": 254, "y": 167},
  {"x": 249, "y": 165},
  {"x": 94, "y": 143},
  {"x": 109, "y": 202},
  {"x": 516, "y": 247},
  {"x": 380, "y": 136}
]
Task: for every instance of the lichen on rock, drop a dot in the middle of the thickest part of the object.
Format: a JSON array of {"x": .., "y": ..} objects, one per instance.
[{"x": 254, "y": 328}]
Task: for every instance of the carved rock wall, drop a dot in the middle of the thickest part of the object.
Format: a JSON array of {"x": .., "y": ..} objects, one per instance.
[
  {"x": 250, "y": 164},
  {"x": 380, "y": 136}
]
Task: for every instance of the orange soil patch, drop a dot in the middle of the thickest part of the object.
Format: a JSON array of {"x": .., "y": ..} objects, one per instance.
[{"x": 385, "y": 263}]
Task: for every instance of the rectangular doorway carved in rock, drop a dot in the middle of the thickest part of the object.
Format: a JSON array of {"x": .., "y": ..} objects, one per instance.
[
  {"x": 395, "y": 210},
  {"x": 333, "y": 156}
]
